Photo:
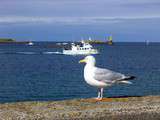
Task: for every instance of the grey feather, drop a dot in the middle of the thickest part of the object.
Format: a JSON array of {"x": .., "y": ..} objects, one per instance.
[{"x": 107, "y": 76}]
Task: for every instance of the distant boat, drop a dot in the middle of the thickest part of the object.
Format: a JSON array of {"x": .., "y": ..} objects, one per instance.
[
  {"x": 85, "y": 49},
  {"x": 110, "y": 40},
  {"x": 92, "y": 41},
  {"x": 30, "y": 43}
]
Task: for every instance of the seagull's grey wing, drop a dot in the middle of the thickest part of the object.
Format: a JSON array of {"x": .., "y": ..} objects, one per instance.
[{"x": 107, "y": 75}]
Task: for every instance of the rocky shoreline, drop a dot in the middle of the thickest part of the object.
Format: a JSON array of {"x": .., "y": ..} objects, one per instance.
[{"x": 127, "y": 108}]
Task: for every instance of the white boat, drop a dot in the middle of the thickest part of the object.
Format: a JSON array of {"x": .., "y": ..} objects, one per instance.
[
  {"x": 85, "y": 49},
  {"x": 30, "y": 43}
]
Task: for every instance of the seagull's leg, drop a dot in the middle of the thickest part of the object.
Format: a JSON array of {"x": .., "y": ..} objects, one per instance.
[{"x": 101, "y": 93}]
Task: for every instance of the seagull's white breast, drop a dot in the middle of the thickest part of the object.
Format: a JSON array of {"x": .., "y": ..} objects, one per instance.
[{"x": 89, "y": 77}]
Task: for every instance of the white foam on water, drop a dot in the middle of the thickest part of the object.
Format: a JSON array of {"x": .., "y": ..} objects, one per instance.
[
  {"x": 27, "y": 53},
  {"x": 32, "y": 53},
  {"x": 52, "y": 52}
]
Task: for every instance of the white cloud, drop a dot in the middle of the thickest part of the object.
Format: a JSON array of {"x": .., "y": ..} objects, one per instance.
[
  {"x": 57, "y": 20},
  {"x": 79, "y": 8},
  {"x": 70, "y": 20}
]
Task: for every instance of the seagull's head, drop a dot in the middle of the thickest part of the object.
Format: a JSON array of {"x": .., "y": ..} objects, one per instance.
[{"x": 90, "y": 60}]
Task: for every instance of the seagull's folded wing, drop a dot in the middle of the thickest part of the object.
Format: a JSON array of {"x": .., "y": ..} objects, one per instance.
[{"x": 107, "y": 76}]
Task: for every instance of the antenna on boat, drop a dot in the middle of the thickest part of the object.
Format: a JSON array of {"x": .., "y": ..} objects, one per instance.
[
  {"x": 72, "y": 41},
  {"x": 90, "y": 39},
  {"x": 82, "y": 39}
]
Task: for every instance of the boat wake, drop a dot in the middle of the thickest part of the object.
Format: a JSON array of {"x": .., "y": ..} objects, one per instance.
[
  {"x": 31, "y": 53},
  {"x": 26, "y": 53},
  {"x": 52, "y": 52}
]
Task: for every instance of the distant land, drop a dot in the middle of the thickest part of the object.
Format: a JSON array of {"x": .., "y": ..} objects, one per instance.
[{"x": 9, "y": 40}]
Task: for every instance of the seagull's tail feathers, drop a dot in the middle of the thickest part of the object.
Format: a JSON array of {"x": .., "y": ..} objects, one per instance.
[
  {"x": 126, "y": 82},
  {"x": 129, "y": 78}
]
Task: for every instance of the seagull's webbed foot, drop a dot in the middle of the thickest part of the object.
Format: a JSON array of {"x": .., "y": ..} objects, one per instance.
[
  {"x": 100, "y": 94},
  {"x": 98, "y": 99}
]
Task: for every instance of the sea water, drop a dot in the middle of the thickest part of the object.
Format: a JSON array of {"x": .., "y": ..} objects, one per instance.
[{"x": 41, "y": 72}]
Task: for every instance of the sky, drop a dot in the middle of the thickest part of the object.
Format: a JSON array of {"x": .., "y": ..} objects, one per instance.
[{"x": 73, "y": 20}]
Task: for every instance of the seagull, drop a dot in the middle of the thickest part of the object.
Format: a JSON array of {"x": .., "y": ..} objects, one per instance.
[{"x": 101, "y": 77}]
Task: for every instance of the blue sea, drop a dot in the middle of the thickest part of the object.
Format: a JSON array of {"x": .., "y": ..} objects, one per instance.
[{"x": 40, "y": 72}]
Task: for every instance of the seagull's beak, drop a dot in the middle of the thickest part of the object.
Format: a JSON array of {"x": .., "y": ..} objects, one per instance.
[{"x": 82, "y": 61}]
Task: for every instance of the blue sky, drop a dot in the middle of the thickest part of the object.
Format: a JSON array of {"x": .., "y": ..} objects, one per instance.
[{"x": 60, "y": 20}]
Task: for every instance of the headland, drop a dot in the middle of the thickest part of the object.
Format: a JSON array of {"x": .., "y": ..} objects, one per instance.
[{"x": 11, "y": 41}]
